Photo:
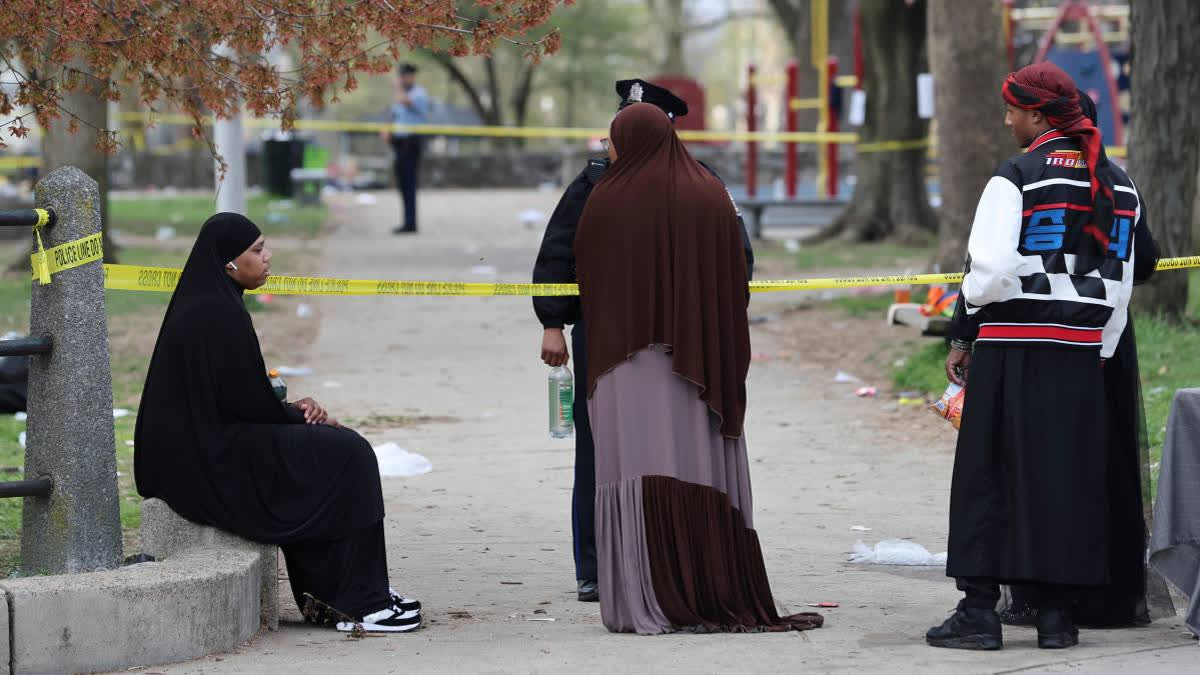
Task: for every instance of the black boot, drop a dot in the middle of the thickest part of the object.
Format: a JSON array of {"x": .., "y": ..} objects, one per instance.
[
  {"x": 1056, "y": 630},
  {"x": 968, "y": 628}
]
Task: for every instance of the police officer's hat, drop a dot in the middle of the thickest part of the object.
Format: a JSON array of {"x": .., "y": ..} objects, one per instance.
[{"x": 641, "y": 91}]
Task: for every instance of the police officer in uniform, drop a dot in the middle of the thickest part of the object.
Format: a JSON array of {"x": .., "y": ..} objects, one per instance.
[{"x": 556, "y": 264}]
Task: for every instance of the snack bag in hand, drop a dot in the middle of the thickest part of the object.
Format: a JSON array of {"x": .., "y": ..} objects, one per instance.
[{"x": 950, "y": 405}]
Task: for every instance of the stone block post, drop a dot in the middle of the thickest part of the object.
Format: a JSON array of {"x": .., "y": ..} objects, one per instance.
[{"x": 70, "y": 428}]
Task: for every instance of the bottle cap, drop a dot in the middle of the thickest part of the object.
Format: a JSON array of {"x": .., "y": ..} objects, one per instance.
[{"x": 272, "y": 373}]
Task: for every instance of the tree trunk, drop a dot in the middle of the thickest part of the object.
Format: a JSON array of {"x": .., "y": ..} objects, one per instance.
[
  {"x": 62, "y": 148},
  {"x": 1166, "y": 72},
  {"x": 488, "y": 112},
  {"x": 570, "y": 100},
  {"x": 966, "y": 53},
  {"x": 522, "y": 93},
  {"x": 673, "y": 62},
  {"x": 890, "y": 199},
  {"x": 493, "y": 88}
]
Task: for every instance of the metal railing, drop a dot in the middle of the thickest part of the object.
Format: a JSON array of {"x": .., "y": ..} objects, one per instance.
[{"x": 27, "y": 346}]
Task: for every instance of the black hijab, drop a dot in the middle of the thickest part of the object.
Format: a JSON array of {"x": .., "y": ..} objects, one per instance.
[
  {"x": 207, "y": 371},
  {"x": 224, "y": 237}
]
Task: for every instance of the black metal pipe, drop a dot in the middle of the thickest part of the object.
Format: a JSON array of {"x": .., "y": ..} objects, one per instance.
[
  {"x": 38, "y": 487},
  {"x": 26, "y": 346},
  {"x": 27, "y": 217}
]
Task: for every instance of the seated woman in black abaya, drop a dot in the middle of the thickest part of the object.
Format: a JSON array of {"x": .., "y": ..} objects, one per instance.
[{"x": 215, "y": 443}]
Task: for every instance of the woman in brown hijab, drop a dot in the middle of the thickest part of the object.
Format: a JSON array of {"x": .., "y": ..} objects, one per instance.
[{"x": 664, "y": 291}]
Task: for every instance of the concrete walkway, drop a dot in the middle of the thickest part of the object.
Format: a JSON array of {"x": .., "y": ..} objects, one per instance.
[{"x": 484, "y": 540}]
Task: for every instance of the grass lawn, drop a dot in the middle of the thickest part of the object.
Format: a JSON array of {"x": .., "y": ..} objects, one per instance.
[
  {"x": 833, "y": 255},
  {"x": 145, "y": 214}
]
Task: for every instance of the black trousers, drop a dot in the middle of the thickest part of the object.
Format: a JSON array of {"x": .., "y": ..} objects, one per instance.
[
  {"x": 984, "y": 593},
  {"x": 349, "y": 574},
  {"x": 406, "y": 160},
  {"x": 583, "y": 497}
]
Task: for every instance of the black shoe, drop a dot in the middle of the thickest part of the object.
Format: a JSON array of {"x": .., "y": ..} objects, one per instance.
[
  {"x": 1056, "y": 630},
  {"x": 588, "y": 591},
  {"x": 968, "y": 628},
  {"x": 404, "y": 229}
]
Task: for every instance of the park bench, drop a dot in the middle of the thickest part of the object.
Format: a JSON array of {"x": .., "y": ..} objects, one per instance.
[
  {"x": 816, "y": 211},
  {"x": 909, "y": 314}
]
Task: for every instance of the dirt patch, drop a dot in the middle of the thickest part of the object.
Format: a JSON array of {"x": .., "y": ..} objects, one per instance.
[
  {"x": 811, "y": 329},
  {"x": 388, "y": 422},
  {"x": 827, "y": 339}
]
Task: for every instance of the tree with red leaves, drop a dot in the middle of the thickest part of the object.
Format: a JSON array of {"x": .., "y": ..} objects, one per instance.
[
  {"x": 66, "y": 59},
  {"x": 209, "y": 56}
]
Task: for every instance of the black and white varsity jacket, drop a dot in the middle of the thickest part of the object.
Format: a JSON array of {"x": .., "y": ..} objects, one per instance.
[{"x": 1020, "y": 288}]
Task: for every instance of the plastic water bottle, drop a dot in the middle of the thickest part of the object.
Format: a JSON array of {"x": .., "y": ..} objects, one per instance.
[
  {"x": 562, "y": 396},
  {"x": 278, "y": 384}
]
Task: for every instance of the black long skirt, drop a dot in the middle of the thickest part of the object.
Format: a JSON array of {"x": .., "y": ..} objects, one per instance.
[
  {"x": 1123, "y": 601},
  {"x": 349, "y": 574},
  {"x": 1028, "y": 501}
]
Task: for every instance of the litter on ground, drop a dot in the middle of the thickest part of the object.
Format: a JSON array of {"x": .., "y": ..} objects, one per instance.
[
  {"x": 896, "y": 552},
  {"x": 396, "y": 461}
]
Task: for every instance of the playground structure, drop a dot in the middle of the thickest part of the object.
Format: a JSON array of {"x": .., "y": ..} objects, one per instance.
[
  {"x": 1089, "y": 40},
  {"x": 1055, "y": 23},
  {"x": 1093, "y": 62}
]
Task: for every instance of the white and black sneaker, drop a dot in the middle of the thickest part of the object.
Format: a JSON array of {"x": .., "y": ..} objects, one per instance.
[
  {"x": 405, "y": 604},
  {"x": 390, "y": 620}
]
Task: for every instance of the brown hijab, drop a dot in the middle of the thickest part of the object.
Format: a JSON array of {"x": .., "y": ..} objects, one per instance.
[{"x": 659, "y": 260}]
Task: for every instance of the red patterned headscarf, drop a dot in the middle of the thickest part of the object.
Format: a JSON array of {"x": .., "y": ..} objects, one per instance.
[{"x": 1046, "y": 88}]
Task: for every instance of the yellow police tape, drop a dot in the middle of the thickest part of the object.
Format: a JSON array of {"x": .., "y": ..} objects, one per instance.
[
  {"x": 807, "y": 137},
  {"x": 893, "y": 146},
  {"x": 163, "y": 279},
  {"x": 66, "y": 256},
  {"x": 19, "y": 162},
  {"x": 504, "y": 131}
]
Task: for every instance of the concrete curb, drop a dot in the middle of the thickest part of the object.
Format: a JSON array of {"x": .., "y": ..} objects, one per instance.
[
  {"x": 194, "y": 604},
  {"x": 166, "y": 534},
  {"x": 208, "y": 592}
]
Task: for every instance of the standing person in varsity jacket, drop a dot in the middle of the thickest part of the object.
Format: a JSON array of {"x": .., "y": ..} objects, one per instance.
[
  {"x": 556, "y": 265},
  {"x": 1048, "y": 278},
  {"x": 1122, "y": 603}
]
